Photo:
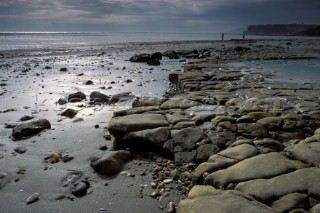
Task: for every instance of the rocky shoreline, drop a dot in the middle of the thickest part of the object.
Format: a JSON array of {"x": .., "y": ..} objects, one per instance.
[
  {"x": 219, "y": 139},
  {"x": 256, "y": 141}
]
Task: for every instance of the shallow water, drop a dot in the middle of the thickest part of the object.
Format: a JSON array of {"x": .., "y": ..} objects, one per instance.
[{"x": 302, "y": 71}]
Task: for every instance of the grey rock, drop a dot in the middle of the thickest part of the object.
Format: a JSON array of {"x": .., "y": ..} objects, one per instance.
[
  {"x": 305, "y": 151},
  {"x": 26, "y": 118},
  {"x": 289, "y": 202},
  {"x": 179, "y": 102},
  {"x": 76, "y": 97},
  {"x": 121, "y": 97},
  {"x": 147, "y": 101},
  {"x": 98, "y": 97},
  {"x": 251, "y": 130},
  {"x": 32, "y": 198},
  {"x": 187, "y": 138},
  {"x": 271, "y": 123},
  {"x": 144, "y": 141},
  {"x": 271, "y": 144},
  {"x": 20, "y": 149},
  {"x": 268, "y": 190},
  {"x": 207, "y": 199},
  {"x": 257, "y": 167},
  {"x": 70, "y": 113},
  {"x": 29, "y": 129},
  {"x": 224, "y": 159},
  {"x": 144, "y": 57},
  {"x": 110, "y": 162},
  {"x": 61, "y": 101},
  {"x": 136, "y": 122},
  {"x": 205, "y": 151},
  {"x": 184, "y": 156},
  {"x": 81, "y": 188}
]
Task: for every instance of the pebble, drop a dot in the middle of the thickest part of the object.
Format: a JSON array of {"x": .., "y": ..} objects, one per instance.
[
  {"x": 20, "y": 149},
  {"x": 33, "y": 198},
  {"x": 59, "y": 196},
  {"x": 67, "y": 158},
  {"x": 171, "y": 207},
  {"x": 81, "y": 188},
  {"x": 21, "y": 171},
  {"x": 3, "y": 175}
]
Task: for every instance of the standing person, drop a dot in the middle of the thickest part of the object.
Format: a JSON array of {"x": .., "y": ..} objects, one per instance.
[
  {"x": 243, "y": 35},
  {"x": 222, "y": 36}
]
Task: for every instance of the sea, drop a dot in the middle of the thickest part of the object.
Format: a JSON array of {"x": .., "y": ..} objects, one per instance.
[{"x": 43, "y": 40}]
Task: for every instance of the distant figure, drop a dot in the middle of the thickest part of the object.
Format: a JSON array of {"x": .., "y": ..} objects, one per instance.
[
  {"x": 222, "y": 36},
  {"x": 243, "y": 35}
]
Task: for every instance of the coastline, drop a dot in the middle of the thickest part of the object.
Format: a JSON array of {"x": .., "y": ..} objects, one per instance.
[{"x": 32, "y": 89}]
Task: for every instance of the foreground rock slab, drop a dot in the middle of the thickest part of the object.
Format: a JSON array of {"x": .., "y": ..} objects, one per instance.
[
  {"x": 207, "y": 199},
  {"x": 267, "y": 190}
]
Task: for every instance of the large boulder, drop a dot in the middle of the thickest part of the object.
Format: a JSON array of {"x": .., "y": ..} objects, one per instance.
[
  {"x": 268, "y": 190},
  {"x": 29, "y": 129},
  {"x": 110, "y": 162},
  {"x": 144, "y": 141},
  {"x": 257, "y": 167},
  {"x": 206, "y": 199},
  {"x": 136, "y": 122}
]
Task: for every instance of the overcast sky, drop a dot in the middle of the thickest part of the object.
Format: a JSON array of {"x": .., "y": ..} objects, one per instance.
[{"x": 153, "y": 15}]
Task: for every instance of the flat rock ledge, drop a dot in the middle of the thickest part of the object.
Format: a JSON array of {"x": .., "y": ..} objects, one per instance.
[{"x": 255, "y": 143}]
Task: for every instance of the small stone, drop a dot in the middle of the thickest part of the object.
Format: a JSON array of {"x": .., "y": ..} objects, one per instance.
[
  {"x": 107, "y": 136},
  {"x": 26, "y": 117},
  {"x": 168, "y": 181},
  {"x": 21, "y": 171},
  {"x": 154, "y": 194},
  {"x": 70, "y": 113},
  {"x": 20, "y": 149},
  {"x": 67, "y": 158},
  {"x": 89, "y": 82},
  {"x": 81, "y": 188},
  {"x": 63, "y": 69},
  {"x": 103, "y": 147},
  {"x": 171, "y": 207},
  {"x": 33, "y": 198},
  {"x": 59, "y": 196},
  {"x": 3, "y": 175},
  {"x": 96, "y": 126}
]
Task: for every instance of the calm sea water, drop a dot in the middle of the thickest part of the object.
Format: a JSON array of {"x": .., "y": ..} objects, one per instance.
[{"x": 14, "y": 41}]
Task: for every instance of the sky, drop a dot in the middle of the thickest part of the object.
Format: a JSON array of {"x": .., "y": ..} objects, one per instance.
[{"x": 184, "y": 16}]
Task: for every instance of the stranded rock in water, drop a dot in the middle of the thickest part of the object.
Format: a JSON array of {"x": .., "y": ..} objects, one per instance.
[
  {"x": 29, "y": 129},
  {"x": 76, "y": 97},
  {"x": 98, "y": 97},
  {"x": 109, "y": 163}
]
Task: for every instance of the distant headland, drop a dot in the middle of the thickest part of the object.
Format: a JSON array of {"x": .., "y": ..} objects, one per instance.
[{"x": 284, "y": 30}]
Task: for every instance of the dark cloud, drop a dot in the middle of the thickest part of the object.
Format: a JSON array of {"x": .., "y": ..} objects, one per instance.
[{"x": 152, "y": 15}]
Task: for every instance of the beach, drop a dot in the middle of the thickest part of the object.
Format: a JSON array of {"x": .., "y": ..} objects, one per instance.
[{"x": 199, "y": 98}]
